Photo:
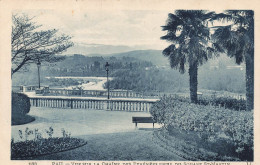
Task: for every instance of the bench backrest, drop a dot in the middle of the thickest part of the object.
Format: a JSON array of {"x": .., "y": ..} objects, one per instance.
[{"x": 143, "y": 120}]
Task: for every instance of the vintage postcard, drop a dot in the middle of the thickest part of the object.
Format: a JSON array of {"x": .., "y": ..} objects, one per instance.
[{"x": 113, "y": 82}]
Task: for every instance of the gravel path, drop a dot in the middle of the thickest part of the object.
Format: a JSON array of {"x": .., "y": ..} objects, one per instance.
[
  {"x": 110, "y": 135},
  {"x": 138, "y": 145},
  {"x": 80, "y": 121}
]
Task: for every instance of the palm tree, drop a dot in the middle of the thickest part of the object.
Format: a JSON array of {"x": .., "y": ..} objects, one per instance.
[
  {"x": 189, "y": 34},
  {"x": 237, "y": 40}
]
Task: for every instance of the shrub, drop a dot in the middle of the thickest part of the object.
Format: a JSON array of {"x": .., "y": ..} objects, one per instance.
[
  {"x": 20, "y": 104},
  {"x": 209, "y": 122},
  {"x": 161, "y": 111},
  {"x": 226, "y": 102}
]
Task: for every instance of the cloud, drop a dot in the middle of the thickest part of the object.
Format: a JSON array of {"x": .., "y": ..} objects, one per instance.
[{"x": 135, "y": 27}]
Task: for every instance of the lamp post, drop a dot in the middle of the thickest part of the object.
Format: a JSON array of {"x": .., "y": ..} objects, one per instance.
[
  {"x": 107, "y": 69},
  {"x": 38, "y": 66}
]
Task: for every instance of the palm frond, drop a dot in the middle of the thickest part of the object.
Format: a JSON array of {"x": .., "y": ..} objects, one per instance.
[
  {"x": 167, "y": 51},
  {"x": 170, "y": 37}
]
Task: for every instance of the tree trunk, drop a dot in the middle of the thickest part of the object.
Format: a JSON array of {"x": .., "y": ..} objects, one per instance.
[
  {"x": 249, "y": 81},
  {"x": 193, "y": 73}
]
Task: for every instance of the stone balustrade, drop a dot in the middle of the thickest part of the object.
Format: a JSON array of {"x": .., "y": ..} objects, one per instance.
[
  {"x": 100, "y": 93},
  {"x": 143, "y": 105},
  {"x": 24, "y": 88}
]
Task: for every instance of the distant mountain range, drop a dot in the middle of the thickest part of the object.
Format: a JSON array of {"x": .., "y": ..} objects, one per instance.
[
  {"x": 154, "y": 56},
  {"x": 92, "y": 49}
]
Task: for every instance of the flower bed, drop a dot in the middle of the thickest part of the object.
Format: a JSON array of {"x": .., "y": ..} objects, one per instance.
[
  {"x": 209, "y": 122},
  {"x": 31, "y": 148},
  {"x": 42, "y": 146}
]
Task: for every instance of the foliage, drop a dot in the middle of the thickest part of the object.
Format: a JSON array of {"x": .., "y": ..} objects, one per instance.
[
  {"x": 38, "y": 135},
  {"x": 226, "y": 102},
  {"x": 50, "y": 132},
  {"x": 161, "y": 111},
  {"x": 215, "y": 75},
  {"x": 28, "y": 132},
  {"x": 31, "y": 45},
  {"x": 80, "y": 65},
  {"x": 209, "y": 122},
  {"x": 147, "y": 80},
  {"x": 237, "y": 40},
  {"x": 20, "y": 104},
  {"x": 62, "y": 82},
  {"x": 44, "y": 146},
  {"x": 65, "y": 134},
  {"x": 189, "y": 34}
]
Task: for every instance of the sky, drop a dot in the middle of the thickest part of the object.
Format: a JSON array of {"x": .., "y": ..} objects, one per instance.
[{"x": 132, "y": 28}]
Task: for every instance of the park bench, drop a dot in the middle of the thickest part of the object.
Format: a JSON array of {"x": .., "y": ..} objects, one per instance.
[{"x": 142, "y": 120}]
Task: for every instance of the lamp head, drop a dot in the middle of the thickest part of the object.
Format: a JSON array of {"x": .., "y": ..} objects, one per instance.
[
  {"x": 38, "y": 63},
  {"x": 107, "y": 66}
]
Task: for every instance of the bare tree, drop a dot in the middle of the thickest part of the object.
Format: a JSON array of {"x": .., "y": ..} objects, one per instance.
[{"x": 30, "y": 45}]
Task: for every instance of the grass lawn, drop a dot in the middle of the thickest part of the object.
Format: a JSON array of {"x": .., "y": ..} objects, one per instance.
[{"x": 135, "y": 145}]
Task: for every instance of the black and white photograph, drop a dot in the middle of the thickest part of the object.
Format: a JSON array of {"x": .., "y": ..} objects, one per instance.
[{"x": 132, "y": 84}]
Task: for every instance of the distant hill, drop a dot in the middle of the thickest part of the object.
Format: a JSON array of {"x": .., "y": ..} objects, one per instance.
[
  {"x": 156, "y": 57},
  {"x": 153, "y": 56}
]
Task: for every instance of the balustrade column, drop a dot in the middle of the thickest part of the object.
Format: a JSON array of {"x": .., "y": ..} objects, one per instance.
[
  {"x": 31, "y": 102},
  {"x": 139, "y": 106},
  {"x": 119, "y": 105},
  {"x": 122, "y": 105},
  {"x": 142, "y": 106},
  {"x": 92, "y": 105},
  {"x": 135, "y": 106}
]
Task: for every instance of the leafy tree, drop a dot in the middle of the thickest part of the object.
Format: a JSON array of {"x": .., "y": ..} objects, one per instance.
[
  {"x": 30, "y": 45},
  {"x": 189, "y": 34},
  {"x": 237, "y": 40}
]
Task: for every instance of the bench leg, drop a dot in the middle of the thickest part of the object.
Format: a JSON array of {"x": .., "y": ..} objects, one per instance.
[
  {"x": 135, "y": 125},
  {"x": 153, "y": 125}
]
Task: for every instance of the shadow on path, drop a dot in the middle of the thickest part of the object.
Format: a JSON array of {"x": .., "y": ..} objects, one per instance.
[{"x": 135, "y": 145}]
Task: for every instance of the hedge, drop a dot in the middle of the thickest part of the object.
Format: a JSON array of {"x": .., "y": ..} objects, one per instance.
[
  {"x": 20, "y": 104},
  {"x": 226, "y": 102},
  {"x": 208, "y": 121}
]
